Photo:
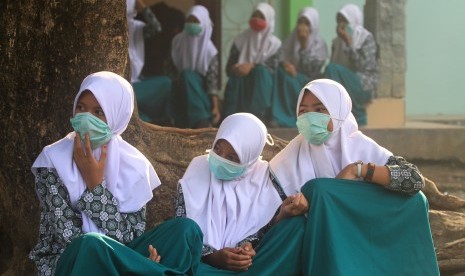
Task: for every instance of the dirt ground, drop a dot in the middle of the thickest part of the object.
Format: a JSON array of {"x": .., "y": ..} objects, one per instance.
[{"x": 448, "y": 176}]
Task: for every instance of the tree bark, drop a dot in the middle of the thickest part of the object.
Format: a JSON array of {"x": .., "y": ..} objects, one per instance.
[{"x": 46, "y": 49}]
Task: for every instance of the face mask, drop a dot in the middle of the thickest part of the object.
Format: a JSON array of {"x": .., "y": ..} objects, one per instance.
[
  {"x": 314, "y": 127},
  {"x": 257, "y": 24},
  {"x": 99, "y": 132},
  {"x": 349, "y": 30},
  {"x": 224, "y": 169},
  {"x": 193, "y": 29}
]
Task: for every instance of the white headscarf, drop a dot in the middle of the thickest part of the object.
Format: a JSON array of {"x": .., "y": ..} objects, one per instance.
[
  {"x": 300, "y": 161},
  {"x": 135, "y": 40},
  {"x": 354, "y": 16},
  {"x": 315, "y": 44},
  {"x": 195, "y": 52},
  {"x": 128, "y": 174},
  {"x": 229, "y": 211},
  {"x": 257, "y": 47}
]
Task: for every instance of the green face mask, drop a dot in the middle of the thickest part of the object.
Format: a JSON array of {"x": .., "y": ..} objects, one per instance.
[
  {"x": 99, "y": 132},
  {"x": 314, "y": 127},
  {"x": 193, "y": 29}
]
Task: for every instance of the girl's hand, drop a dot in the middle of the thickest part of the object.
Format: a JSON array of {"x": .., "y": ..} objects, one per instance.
[
  {"x": 230, "y": 259},
  {"x": 293, "y": 205},
  {"x": 154, "y": 254},
  {"x": 247, "y": 249},
  {"x": 349, "y": 172},
  {"x": 90, "y": 169},
  {"x": 243, "y": 69},
  {"x": 290, "y": 68},
  {"x": 342, "y": 33}
]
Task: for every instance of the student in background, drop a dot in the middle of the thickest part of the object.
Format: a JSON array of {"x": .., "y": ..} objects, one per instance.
[
  {"x": 194, "y": 69},
  {"x": 253, "y": 58},
  {"x": 303, "y": 55},
  {"x": 354, "y": 60}
]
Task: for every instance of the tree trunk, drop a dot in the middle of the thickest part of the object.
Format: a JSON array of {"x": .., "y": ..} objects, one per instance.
[{"x": 46, "y": 49}]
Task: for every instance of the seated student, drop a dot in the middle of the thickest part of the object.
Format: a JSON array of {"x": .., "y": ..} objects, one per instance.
[
  {"x": 378, "y": 226},
  {"x": 93, "y": 188},
  {"x": 303, "y": 55},
  {"x": 228, "y": 192},
  {"x": 194, "y": 68},
  {"x": 252, "y": 60},
  {"x": 354, "y": 60},
  {"x": 152, "y": 94}
]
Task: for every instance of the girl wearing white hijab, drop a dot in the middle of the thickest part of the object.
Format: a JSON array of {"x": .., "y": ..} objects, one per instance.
[
  {"x": 252, "y": 60},
  {"x": 354, "y": 60},
  {"x": 230, "y": 195},
  {"x": 348, "y": 211},
  {"x": 92, "y": 181},
  {"x": 194, "y": 69},
  {"x": 138, "y": 31},
  {"x": 303, "y": 56}
]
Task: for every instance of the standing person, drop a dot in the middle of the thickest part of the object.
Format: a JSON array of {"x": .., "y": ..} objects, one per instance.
[
  {"x": 354, "y": 60},
  {"x": 194, "y": 68},
  {"x": 229, "y": 193},
  {"x": 253, "y": 58},
  {"x": 93, "y": 188},
  {"x": 371, "y": 219},
  {"x": 303, "y": 55}
]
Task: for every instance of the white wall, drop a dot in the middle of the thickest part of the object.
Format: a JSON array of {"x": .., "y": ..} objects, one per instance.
[{"x": 435, "y": 82}]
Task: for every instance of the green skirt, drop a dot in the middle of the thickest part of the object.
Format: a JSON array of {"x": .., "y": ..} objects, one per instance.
[
  {"x": 286, "y": 90},
  {"x": 190, "y": 102},
  {"x": 177, "y": 241},
  {"x": 351, "y": 82},
  {"x": 251, "y": 93},
  {"x": 358, "y": 228},
  {"x": 278, "y": 253},
  {"x": 153, "y": 99}
]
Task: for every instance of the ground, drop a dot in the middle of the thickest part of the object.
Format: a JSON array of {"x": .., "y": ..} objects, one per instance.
[{"x": 448, "y": 176}]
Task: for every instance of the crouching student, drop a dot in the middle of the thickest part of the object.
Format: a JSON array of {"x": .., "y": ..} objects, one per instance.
[
  {"x": 247, "y": 226},
  {"x": 93, "y": 188},
  {"x": 367, "y": 214}
]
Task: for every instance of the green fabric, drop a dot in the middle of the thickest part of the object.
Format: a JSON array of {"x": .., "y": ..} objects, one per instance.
[
  {"x": 358, "y": 228},
  {"x": 178, "y": 241},
  {"x": 278, "y": 253},
  {"x": 251, "y": 93},
  {"x": 191, "y": 104},
  {"x": 286, "y": 90},
  {"x": 351, "y": 81},
  {"x": 152, "y": 95}
]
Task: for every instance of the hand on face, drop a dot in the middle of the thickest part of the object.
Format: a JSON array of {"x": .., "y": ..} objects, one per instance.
[
  {"x": 230, "y": 259},
  {"x": 303, "y": 33},
  {"x": 90, "y": 169},
  {"x": 341, "y": 30}
]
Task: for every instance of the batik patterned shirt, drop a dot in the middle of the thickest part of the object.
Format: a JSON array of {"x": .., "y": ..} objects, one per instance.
[{"x": 61, "y": 222}]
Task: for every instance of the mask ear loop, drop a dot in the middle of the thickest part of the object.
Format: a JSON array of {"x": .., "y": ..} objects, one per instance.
[{"x": 269, "y": 139}]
